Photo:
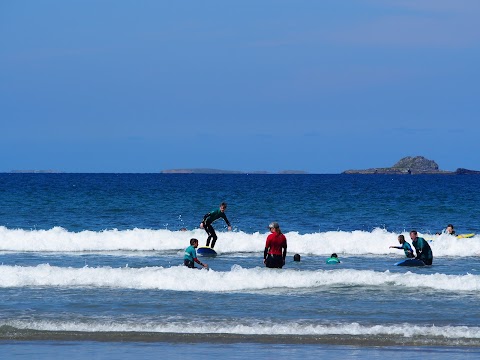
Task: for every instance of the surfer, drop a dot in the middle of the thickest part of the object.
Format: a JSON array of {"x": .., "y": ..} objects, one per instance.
[
  {"x": 449, "y": 230},
  {"x": 275, "y": 247},
  {"x": 209, "y": 218},
  {"x": 424, "y": 252},
  {"x": 405, "y": 246},
  {"x": 191, "y": 255}
]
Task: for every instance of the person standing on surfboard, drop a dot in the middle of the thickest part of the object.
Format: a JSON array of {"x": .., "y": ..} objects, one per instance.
[
  {"x": 405, "y": 246},
  {"x": 424, "y": 252},
  {"x": 190, "y": 256},
  {"x": 209, "y": 218},
  {"x": 275, "y": 247}
]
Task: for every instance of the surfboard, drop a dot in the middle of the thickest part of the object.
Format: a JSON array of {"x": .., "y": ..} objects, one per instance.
[
  {"x": 410, "y": 262},
  {"x": 460, "y": 236},
  {"x": 206, "y": 251},
  {"x": 465, "y": 236}
]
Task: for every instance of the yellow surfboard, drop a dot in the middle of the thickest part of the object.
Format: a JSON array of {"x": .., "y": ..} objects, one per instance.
[{"x": 464, "y": 236}]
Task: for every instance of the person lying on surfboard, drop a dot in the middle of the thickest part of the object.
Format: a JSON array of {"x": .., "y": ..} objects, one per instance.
[
  {"x": 209, "y": 218},
  {"x": 449, "y": 230},
  {"x": 405, "y": 246},
  {"x": 190, "y": 256}
]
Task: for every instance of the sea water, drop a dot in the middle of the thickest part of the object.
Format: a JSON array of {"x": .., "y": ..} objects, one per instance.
[{"x": 91, "y": 265}]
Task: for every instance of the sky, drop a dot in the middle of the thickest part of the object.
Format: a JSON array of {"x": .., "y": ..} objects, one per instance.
[{"x": 320, "y": 86}]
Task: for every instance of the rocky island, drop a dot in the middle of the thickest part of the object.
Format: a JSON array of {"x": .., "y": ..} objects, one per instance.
[
  {"x": 413, "y": 166},
  {"x": 406, "y": 166}
]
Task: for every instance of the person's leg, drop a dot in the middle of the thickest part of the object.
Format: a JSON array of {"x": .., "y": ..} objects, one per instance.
[
  {"x": 189, "y": 263},
  {"x": 278, "y": 262},
  {"x": 274, "y": 262},
  {"x": 269, "y": 261},
  {"x": 214, "y": 237},
  {"x": 208, "y": 231}
]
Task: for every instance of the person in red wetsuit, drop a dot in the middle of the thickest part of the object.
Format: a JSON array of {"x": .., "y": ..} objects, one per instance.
[{"x": 275, "y": 247}]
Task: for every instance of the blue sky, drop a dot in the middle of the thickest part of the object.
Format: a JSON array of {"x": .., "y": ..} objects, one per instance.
[{"x": 321, "y": 86}]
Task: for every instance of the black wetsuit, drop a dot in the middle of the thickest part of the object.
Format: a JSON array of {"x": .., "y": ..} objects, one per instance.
[{"x": 208, "y": 219}]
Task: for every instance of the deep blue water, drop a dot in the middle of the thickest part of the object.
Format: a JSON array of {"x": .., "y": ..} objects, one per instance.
[{"x": 303, "y": 203}]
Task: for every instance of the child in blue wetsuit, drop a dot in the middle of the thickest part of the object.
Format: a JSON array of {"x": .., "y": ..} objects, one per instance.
[
  {"x": 405, "y": 246},
  {"x": 190, "y": 256}
]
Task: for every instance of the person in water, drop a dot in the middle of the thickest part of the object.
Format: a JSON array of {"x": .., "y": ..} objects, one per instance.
[
  {"x": 449, "y": 230},
  {"x": 209, "y": 218},
  {"x": 275, "y": 247},
  {"x": 405, "y": 246},
  {"x": 333, "y": 259},
  {"x": 190, "y": 256},
  {"x": 424, "y": 252}
]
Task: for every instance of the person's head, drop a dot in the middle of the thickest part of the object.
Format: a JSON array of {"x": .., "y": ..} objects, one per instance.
[
  {"x": 413, "y": 234},
  {"x": 334, "y": 255},
  {"x": 194, "y": 242},
  {"x": 296, "y": 257},
  {"x": 401, "y": 239},
  {"x": 450, "y": 229},
  {"x": 274, "y": 227},
  {"x": 223, "y": 206}
]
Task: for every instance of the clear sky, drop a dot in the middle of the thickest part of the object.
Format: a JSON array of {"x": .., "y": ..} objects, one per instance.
[{"x": 320, "y": 85}]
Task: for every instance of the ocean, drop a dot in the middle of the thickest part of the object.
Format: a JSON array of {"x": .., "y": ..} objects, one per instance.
[{"x": 91, "y": 266}]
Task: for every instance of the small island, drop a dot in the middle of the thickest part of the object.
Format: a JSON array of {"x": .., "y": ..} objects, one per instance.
[
  {"x": 218, "y": 171},
  {"x": 413, "y": 166},
  {"x": 49, "y": 171}
]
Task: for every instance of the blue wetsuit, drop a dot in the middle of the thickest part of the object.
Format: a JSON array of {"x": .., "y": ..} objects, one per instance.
[
  {"x": 406, "y": 248},
  {"x": 190, "y": 256},
  {"x": 333, "y": 260}
]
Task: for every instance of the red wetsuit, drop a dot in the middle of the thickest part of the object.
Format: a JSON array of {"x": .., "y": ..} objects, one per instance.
[
  {"x": 275, "y": 243},
  {"x": 276, "y": 248}
]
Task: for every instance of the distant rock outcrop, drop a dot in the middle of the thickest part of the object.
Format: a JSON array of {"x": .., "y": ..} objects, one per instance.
[
  {"x": 406, "y": 166},
  {"x": 417, "y": 163},
  {"x": 461, "y": 171}
]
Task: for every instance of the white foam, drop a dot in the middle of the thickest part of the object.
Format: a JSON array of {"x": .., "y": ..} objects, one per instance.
[
  {"x": 248, "y": 327},
  {"x": 358, "y": 242},
  {"x": 180, "y": 278}
]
